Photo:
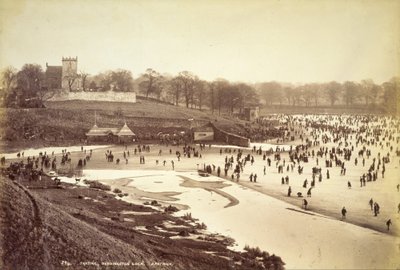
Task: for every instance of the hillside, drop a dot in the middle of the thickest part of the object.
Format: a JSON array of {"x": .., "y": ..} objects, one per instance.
[
  {"x": 65, "y": 121},
  {"x": 82, "y": 227}
]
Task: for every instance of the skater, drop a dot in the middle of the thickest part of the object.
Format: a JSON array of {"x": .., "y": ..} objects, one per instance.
[
  {"x": 305, "y": 183},
  {"x": 289, "y": 192},
  {"x": 344, "y": 211},
  {"x": 388, "y": 223},
  {"x": 348, "y": 184},
  {"x": 309, "y": 192},
  {"x": 376, "y": 209},
  {"x": 305, "y": 203},
  {"x": 371, "y": 203}
]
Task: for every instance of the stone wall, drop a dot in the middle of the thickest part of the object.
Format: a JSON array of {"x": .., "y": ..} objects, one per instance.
[{"x": 97, "y": 96}]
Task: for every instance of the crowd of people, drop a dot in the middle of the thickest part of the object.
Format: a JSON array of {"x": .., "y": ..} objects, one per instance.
[{"x": 322, "y": 144}]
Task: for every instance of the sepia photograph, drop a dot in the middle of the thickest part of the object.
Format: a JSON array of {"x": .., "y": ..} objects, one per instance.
[{"x": 212, "y": 134}]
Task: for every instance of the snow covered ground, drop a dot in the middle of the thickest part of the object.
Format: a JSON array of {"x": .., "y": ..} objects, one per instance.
[
  {"x": 49, "y": 150},
  {"x": 302, "y": 239}
]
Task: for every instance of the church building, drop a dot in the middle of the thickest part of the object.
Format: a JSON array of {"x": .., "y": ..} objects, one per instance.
[{"x": 64, "y": 77}]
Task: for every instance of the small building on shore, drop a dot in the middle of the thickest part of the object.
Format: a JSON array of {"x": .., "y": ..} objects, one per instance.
[
  {"x": 110, "y": 135},
  {"x": 211, "y": 134},
  {"x": 251, "y": 113},
  {"x": 125, "y": 135},
  {"x": 203, "y": 134}
]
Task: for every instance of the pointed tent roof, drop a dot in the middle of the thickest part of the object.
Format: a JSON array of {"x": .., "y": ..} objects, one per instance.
[
  {"x": 96, "y": 131},
  {"x": 125, "y": 131}
]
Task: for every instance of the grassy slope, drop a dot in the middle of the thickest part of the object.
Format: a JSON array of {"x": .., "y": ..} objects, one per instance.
[
  {"x": 70, "y": 120},
  {"x": 42, "y": 227}
]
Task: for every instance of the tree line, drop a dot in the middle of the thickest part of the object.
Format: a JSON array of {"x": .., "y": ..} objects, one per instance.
[
  {"x": 19, "y": 87},
  {"x": 349, "y": 93}
]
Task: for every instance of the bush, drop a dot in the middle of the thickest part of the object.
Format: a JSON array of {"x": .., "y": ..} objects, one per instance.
[
  {"x": 268, "y": 262},
  {"x": 188, "y": 216},
  {"x": 255, "y": 252},
  {"x": 171, "y": 208},
  {"x": 201, "y": 226},
  {"x": 184, "y": 233},
  {"x": 97, "y": 185},
  {"x": 116, "y": 190}
]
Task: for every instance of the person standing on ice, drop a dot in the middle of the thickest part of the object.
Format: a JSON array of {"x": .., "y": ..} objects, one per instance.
[
  {"x": 344, "y": 211},
  {"x": 388, "y": 223},
  {"x": 376, "y": 209},
  {"x": 309, "y": 192},
  {"x": 371, "y": 203},
  {"x": 305, "y": 203},
  {"x": 305, "y": 183},
  {"x": 289, "y": 192}
]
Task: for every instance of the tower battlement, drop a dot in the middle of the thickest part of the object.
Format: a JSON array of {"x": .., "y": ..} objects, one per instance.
[{"x": 70, "y": 59}]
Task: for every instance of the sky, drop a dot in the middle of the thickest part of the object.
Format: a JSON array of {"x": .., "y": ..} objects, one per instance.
[{"x": 250, "y": 41}]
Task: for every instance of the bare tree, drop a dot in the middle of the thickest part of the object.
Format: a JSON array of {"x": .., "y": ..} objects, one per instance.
[
  {"x": 391, "y": 95},
  {"x": 316, "y": 92},
  {"x": 150, "y": 83},
  {"x": 221, "y": 87},
  {"x": 30, "y": 80},
  {"x": 350, "y": 92},
  {"x": 367, "y": 86},
  {"x": 8, "y": 82},
  {"x": 187, "y": 82},
  {"x": 175, "y": 89},
  {"x": 212, "y": 88},
  {"x": 122, "y": 80},
  {"x": 289, "y": 95},
  {"x": 248, "y": 96},
  {"x": 308, "y": 94},
  {"x": 333, "y": 91},
  {"x": 271, "y": 92},
  {"x": 83, "y": 75},
  {"x": 8, "y": 78},
  {"x": 70, "y": 78},
  {"x": 200, "y": 88}
]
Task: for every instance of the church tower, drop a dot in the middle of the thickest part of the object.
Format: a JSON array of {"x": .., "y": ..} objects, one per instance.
[{"x": 70, "y": 80}]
